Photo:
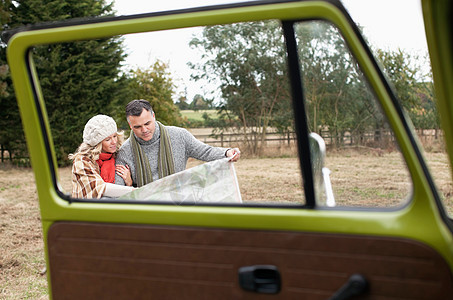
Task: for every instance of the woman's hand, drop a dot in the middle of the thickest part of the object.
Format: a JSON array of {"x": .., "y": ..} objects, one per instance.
[{"x": 125, "y": 173}]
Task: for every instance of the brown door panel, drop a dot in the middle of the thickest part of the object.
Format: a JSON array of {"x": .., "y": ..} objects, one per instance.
[{"x": 105, "y": 261}]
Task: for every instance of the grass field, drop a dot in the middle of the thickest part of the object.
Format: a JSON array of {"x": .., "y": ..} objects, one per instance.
[
  {"x": 22, "y": 261},
  {"x": 198, "y": 115}
]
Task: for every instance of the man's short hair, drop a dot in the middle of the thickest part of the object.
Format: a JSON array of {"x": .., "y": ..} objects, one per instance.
[{"x": 135, "y": 107}]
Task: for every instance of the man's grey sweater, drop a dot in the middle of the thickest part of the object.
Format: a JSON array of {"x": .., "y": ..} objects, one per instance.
[{"x": 183, "y": 146}]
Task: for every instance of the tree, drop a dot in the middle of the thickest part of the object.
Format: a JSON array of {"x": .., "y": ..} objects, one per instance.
[
  {"x": 199, "y": 102},
  {"x": 426, "y": 115},
  {"x": 182, "y": 103},
  {"x": 248, "y": 62},
  {"x": 403, "y": 74},
  {"x": 337, "y": 95},
  {"x": 155, "y": 85},
  {"x": 11, "y": 133},
  {"x": 5, "y": 14},
  {"x": 337, "y": 99},
  {"x": 78, "y": 79},
  {"x": 414, "y": 89}
]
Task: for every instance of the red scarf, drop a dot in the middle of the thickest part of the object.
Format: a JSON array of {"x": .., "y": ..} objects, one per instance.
[{"x": 106, "y": 163}]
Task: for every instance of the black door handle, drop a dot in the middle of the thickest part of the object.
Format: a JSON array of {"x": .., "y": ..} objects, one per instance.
[
  {"x": 356, "y": 285},
  {"x": 260, "y": 279}
]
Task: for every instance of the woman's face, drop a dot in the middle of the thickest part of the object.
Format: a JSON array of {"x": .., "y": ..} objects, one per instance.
[{"x": 109, "y": 143}]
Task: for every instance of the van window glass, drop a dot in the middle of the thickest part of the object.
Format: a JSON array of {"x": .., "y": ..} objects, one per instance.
[
  {"x": 365, "y": 164},
  {"x": 231, "y": 89}
]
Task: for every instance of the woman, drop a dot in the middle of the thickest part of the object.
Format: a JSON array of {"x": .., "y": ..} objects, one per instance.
[{"x": 93, "y": 169}]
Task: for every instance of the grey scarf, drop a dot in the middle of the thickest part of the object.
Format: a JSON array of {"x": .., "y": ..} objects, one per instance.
[{"x": 166, "y": 165}]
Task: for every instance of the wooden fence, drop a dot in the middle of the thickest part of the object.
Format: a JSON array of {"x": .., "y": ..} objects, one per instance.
[
  {"x": 227, "y": 139},
  {"x": 376, "y": 138},
  {"x": 383, "y": 139}
]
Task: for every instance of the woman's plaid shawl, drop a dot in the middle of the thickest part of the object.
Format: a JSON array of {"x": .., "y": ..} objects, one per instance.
[{"x": 86, "y": 179}]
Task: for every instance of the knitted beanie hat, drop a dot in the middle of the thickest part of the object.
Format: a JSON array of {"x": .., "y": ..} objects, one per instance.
[{"x": 98, "y": 128}]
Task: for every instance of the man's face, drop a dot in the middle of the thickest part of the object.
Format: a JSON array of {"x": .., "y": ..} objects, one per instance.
[{"x": 144, "y": 125}]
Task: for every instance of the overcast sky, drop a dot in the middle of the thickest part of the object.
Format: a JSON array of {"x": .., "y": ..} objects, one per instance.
[{"x": 388, "y": 24}]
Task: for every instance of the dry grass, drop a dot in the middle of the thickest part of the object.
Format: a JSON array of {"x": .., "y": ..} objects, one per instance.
[
  {"x": 22, "y": 256},
  {"x": 267, "y": 179},
  {"x": 377, "y": 180}
]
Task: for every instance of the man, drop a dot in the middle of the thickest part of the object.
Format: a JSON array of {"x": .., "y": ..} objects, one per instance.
[{"x": 154, "y": 151}]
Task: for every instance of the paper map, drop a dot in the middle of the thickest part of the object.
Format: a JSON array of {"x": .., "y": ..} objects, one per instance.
[{"x": 211, "y": 182}]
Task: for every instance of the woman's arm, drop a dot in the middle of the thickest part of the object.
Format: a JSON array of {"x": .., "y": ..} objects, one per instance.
[{"x": 115, "y": 190}]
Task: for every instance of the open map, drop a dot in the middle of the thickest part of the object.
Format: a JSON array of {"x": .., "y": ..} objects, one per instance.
[{"x": 211, "y": 182}]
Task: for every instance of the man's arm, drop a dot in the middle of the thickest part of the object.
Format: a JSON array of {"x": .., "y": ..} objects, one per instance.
[
  {"x": 124, "y": 157},
  {"x": 205, "y": 152}
]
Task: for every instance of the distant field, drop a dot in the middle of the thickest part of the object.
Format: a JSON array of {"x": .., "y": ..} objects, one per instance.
[
  {"x": 198, "y": 115},
  {"x": 22, "y": 264}
]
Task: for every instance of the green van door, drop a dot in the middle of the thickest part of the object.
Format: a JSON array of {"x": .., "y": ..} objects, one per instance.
[{"x": 113, "y": 249}]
